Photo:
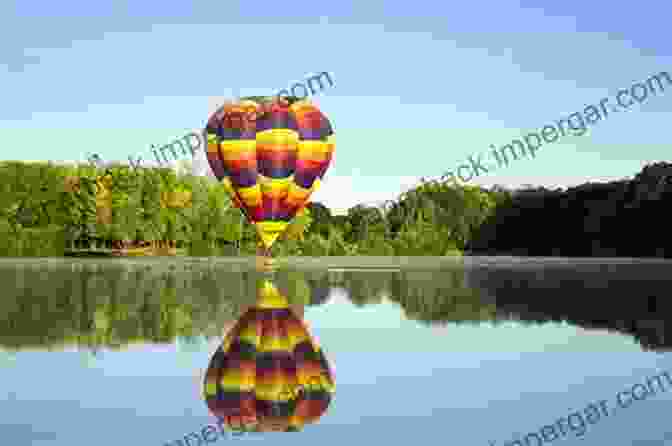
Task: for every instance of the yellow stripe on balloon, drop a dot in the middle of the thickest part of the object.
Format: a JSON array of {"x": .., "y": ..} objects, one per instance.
[
  {"x": 251, "y": 196},
  {"x": 275, "y": 187},
  {"x": 268, "y": 296},
  {"x": 213, "y": 143},
  {"x": 301, "y": 106},
  {"x": 242, "y": 378},
  {"x": 250, "y": 334},
  {"x": 273, "y": 344},
  {"x": 277, "y": 137},
  {"x": 227, "y": 342},
  {"x": 226, "y": 183},
  {"x": 269, "y": 231},
  {"x": 331, "y": 142},
  {"x": 297, "y": 195},
  {"x": 317, "y": 151},
  {"x": 247, "y": 106},
  {"x": 298, "y": 191},
  {"x": 276, "y": 390},
  {"x": 312, "y": 146},
  {"x": 233, "y": 148},
  {"x": 210, "y": 388},
  {"x": 237, "y": 108}
]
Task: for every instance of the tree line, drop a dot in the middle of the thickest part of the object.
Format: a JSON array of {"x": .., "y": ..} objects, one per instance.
[{"x": 45, "y": 207}]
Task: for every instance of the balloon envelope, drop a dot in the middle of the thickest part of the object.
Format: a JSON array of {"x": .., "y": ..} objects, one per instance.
[{"x": 270, "y": 155}]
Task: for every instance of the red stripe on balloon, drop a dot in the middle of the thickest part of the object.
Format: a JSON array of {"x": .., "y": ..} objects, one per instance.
[
  {"x": 241, "y": 164},
  {"x": 276, "y": 155},
  {"x": 256, "y": 213}
]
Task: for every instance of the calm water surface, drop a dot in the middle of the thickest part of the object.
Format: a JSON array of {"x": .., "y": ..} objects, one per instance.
[{"x": 482, "y": 352}]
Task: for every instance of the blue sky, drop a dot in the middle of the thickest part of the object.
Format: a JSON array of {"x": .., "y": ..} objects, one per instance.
[{"x": 418, "y": 87}]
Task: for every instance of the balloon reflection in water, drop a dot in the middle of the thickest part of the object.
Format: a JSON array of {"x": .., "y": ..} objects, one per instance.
[{"x": 268, "y": 374}]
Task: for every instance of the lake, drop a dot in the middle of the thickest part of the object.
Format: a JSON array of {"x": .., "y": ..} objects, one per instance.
[{"x": 470, "y": 351}]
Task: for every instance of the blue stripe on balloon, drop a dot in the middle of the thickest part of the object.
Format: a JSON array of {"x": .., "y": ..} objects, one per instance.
[
  {"x": 267, "y": 169},
  {"x": 305, "y": 178},
  {"x": 227, "y": 134},
  {"x": 277, "y": 121},
  {"x": 312, "y": 134},
  {"x": 244, "y": 177}
]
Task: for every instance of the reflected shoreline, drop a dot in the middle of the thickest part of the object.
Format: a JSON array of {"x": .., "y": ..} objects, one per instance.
[{"x": 115, "y": 304}]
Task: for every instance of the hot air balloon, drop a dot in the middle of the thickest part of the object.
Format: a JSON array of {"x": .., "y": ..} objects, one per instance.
[
  {"x": 270, "y": 155},
  {"x": 269, "y": 374}
]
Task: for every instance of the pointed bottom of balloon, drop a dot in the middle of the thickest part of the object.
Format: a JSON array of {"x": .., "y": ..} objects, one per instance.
[
  {"x": 269, "y": 231},
  {"x": 268, "y": 296}
]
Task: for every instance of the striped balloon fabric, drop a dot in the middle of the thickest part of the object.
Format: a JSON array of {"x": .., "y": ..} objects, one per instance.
[
  {"x": 268, "y": 374},
  {"x": 271, "y": 156}
]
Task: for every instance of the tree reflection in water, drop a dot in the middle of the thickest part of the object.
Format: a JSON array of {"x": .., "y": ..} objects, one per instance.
[{"x": 111, "y": 305}]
